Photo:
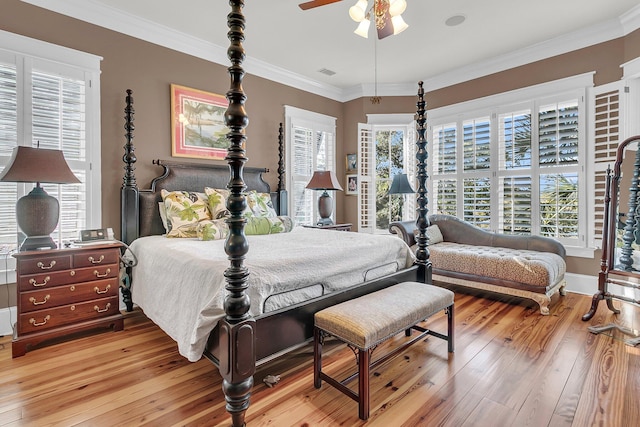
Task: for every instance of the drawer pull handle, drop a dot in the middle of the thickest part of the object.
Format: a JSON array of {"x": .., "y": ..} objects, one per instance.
[
  {"x": 106, "y": 273},
  {"x": 41, "y": 266},
  {"x": 44, "y": 301},
  {"x": 98, "y": 291},
  {"x": 92, "y": 260},
  {"x": 34, "y": 283},
  {"x": 44, "y": 322},
  {"x": 106, "y": 308}
]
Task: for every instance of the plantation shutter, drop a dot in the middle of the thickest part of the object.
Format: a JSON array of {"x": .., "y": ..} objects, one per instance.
[
  {"x": 8, "y": 138},
  {"x": 608, "y": 134},
  {"x": 301, "y": 167},
  {"x": 366, "y": 179}
]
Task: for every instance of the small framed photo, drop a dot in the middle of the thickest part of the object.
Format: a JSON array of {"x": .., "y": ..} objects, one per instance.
[
  {"x": 352, "y": 184},
  {"x": 352, "y": 163},
  {"x": 197, "y": 124}
]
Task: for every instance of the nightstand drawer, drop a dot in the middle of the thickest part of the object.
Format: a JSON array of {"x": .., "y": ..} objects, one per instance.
[
  {"x": 41, "y": 320},
  {"x": 62, "y": 295},
  {"x": 44, "y": 264},
  {"x": 49, "y": 280},
  {"x": 96, "y": 257}
]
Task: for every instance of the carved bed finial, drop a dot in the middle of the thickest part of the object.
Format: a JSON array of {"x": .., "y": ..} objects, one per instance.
[
  {"x": 422, "y": 253},
  {"x": 237, "y": 329},
  {"x": 280, "y": 158},
  {"x": 129, "y": 158}
]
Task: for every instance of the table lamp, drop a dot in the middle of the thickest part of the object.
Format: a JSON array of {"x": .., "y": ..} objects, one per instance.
[
  {"x": 324, "y": 180},
  {"x": 400, "y": 185},
  {"x": 37, "y": 213}
]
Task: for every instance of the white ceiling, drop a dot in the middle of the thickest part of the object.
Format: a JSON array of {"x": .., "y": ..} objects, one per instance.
[{"x": 286, "y": 44}]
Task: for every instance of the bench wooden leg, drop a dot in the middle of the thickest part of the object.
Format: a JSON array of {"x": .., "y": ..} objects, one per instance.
[
  {"x": 317, "y": 358},
  {"x": 364, "y": 362},
  {"x": 450, "y": 327}
]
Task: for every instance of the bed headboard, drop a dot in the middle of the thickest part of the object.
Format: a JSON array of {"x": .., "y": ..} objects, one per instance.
[{"x": 140, "y": 215}]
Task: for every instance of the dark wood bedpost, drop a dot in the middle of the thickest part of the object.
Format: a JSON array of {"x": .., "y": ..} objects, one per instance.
[
  {"x": 237, "y": 329},
  {"x": 129, "y": 209},
  {"x": 283, "y": 208},
  {"x": 129, "y": 191},
  {"x": 422, "y": 253}
]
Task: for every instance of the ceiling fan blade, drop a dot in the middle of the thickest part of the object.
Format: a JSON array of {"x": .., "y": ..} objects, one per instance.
[{"x": 316, "y": 3}]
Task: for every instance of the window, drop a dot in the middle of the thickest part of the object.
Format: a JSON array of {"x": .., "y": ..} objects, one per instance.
[
  {"x": 512, "y": 162},
  {"x": 386, "y": 149},
  {"x": 49, "y": 97},
  {"x": 310, "y": 146}
]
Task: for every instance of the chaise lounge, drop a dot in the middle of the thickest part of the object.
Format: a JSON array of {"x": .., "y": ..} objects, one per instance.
[{"x": 462, "y": 254}]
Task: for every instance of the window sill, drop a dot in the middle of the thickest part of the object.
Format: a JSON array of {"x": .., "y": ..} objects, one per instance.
[{"x": 575, "y": 251}]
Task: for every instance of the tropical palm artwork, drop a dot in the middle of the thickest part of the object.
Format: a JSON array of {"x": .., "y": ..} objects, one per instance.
[{"x": 198, "y": 128}]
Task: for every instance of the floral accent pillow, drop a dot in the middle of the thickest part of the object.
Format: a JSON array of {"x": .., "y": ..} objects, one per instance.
[
  {"x": 268, "y": 225},
  {"x": 260, "y": 205},
  {"x": 184, "y": 210},
  {"x": 217, "y": 200},
  {"x": 218, "y": 228},
  {"x": 213, "y": 229}
]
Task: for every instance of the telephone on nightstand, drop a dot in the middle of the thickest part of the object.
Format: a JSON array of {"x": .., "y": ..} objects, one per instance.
[{"x": 94, "y": 236}]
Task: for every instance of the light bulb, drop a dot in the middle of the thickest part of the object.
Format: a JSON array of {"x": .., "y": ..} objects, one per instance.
[
  {"x": 398, "y": 24},
  {"x": 397, "y": 7},
  {"x": 357, "y": 11},
  {"x": 363, "y": 28}
]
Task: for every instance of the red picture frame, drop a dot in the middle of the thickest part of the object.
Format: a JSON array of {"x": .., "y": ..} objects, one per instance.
[{"x": 197, "y": 124}]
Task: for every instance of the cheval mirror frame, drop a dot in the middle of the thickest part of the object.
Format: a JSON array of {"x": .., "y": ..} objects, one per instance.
[{"x": 620, "y": 236}]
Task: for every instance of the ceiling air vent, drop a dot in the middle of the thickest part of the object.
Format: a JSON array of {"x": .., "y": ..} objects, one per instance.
[{"x": 326, "y": 71}]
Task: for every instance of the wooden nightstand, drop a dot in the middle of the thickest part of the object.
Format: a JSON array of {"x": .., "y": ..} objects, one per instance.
[
  {"x": 338, "y": 227},
  {"x": 63, "y": 291}
]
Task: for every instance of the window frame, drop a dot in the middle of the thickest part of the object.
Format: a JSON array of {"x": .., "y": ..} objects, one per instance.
[
  {"x": 28, "y": 55},
  {"x": 316, "y": 122},
  {"x": 529, "y": 98}
]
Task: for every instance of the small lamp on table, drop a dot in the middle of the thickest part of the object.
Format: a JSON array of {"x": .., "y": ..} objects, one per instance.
[
  {"x": 324, "y": 180},
  {"x": 37, "y": 213},
  {"x": 400, "y": 185}
]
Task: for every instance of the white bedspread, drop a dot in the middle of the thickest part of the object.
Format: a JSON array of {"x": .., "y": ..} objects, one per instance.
[{"x": 179, "y": 283}]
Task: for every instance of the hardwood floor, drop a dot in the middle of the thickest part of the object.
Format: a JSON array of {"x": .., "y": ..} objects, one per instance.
[{"x": 512, "y": 367}]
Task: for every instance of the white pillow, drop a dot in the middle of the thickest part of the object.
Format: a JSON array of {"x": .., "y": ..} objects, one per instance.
[
  {"x": 163, "y": 214},
  {"x": 434, "y": 235}
]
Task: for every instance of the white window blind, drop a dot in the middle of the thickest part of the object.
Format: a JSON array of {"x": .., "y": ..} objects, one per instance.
[
  {"x": 52, "y": 104},
  {"x": 311, "y": 146}
]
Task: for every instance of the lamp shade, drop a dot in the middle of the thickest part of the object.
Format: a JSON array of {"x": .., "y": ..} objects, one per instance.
[
  {"x": 400, "y": 185},
  {"x": 324, "y": 180},
  {"x": 30, "y": 164}
]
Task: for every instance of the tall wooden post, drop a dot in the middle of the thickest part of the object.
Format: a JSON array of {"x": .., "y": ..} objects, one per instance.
[
  {"x": 237, "y": 329},
  {"x": 422, "y": 253}
]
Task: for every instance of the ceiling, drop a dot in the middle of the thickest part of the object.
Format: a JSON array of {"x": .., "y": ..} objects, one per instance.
[{"x": 284, "y": 43}]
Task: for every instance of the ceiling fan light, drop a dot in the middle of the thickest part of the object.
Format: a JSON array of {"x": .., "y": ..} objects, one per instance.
[
  {"x": 397, "y": 7},
  {"x": 357, "y": 11},
  {"x": 363, "y": 28},
  {"x": 398, "y": 24}
]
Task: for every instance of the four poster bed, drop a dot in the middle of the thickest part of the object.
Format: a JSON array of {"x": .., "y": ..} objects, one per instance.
[{"x": 245, "y": 299}]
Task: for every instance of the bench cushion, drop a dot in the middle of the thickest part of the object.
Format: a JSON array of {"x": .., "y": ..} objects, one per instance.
[
  {"x": 540, "y": 269},
  {"x": 373, "y": 318}
]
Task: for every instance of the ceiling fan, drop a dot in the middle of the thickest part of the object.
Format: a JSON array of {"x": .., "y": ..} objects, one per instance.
[{"x": 387, "y": 15}]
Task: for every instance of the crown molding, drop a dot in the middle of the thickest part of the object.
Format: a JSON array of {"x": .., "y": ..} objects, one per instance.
[{"x": 98, "y": 14}]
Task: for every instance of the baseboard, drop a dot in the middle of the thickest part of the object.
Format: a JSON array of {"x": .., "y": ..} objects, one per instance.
[{"x": 7, "y": 319}]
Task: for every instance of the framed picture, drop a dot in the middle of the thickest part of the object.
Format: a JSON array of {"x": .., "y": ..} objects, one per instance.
[
  {"x": 197, "y": 124},
  {"x": 352, "y": 163},
  {"x": 352, "y": 184}
]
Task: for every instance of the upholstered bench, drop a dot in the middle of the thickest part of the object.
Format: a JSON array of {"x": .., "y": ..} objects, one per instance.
[{"x": 367, "y": 321}]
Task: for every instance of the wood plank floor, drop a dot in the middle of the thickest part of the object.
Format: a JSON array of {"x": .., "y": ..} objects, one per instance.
[{"x": 512, "y": 367}]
